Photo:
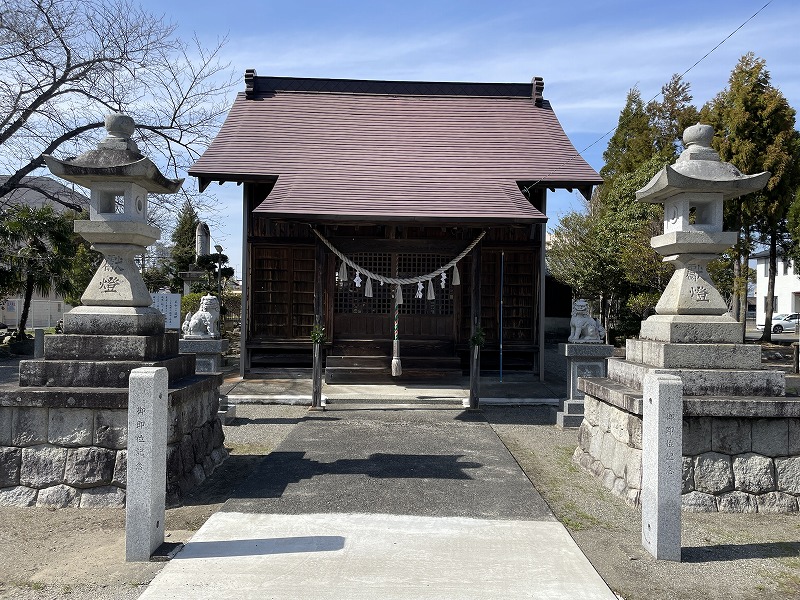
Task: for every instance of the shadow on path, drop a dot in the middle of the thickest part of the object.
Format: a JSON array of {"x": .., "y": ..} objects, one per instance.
[
  {"x": 262, "y": 547},
  {"x": 729, "y": 552},
  {"x": 279, "y": 469}
]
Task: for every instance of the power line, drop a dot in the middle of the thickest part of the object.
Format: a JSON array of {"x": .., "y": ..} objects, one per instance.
[{"x": 613, "y": 129}]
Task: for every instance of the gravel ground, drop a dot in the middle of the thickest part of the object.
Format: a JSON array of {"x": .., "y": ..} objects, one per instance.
[
  {"x": 725, "y": 556},
  {"x": 79, "y": 554}
]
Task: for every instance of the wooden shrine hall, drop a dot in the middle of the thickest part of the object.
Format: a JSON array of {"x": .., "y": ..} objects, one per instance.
[{"x": 352, "y": 186}]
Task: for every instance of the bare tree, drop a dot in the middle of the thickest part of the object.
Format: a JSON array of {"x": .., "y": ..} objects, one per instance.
[{"x": 64, "y": 64}]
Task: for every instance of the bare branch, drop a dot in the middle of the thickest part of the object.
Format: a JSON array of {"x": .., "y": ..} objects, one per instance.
[{"x": 66, "y": 63}]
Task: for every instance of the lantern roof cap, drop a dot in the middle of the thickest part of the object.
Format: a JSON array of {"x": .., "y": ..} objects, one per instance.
[
  {"x": 699, "y": 169},
  {"x": 116, "y": 158}
]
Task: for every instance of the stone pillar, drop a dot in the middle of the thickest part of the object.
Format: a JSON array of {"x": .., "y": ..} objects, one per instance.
[
  {"x": 662, "y": 464},
  {"x": 147, "y": 460},
  {"x": 38, "y": 343},
  {"x": 583, "y": 360}
]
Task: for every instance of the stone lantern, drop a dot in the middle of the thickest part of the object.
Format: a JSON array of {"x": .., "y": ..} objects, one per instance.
[
  {"x": 116, "y": 302},
  {"x": 693, "y": 191}
]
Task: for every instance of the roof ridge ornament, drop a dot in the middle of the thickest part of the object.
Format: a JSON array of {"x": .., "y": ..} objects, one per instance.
[
  {"x": 250, "y": 83},
  {"x": 538, "y": 91}
]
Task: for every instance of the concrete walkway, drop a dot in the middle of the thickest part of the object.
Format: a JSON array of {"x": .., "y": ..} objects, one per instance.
[{"x": 390, "y": 504}]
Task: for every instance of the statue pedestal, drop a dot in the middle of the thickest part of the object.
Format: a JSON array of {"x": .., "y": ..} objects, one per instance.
[
  {"x": 208, "y": 359},
  {"x": 208, "y": 352},
  {"x": 583, "y": 360}
]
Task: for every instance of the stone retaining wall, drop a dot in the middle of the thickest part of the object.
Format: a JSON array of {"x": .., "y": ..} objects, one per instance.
[
  {"x": 730, "y": 463},
  {"x": 58, "y": 455}
]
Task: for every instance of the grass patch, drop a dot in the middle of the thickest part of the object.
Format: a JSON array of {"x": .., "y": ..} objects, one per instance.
[
  {"x": 788, "y": 582},
  {"x": 564, "y": 456},
  {"x": 576, "y": 519}
]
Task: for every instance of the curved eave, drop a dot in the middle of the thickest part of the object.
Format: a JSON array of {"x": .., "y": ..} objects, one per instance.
[
  {"x": 668, "y": 182},
  {"x": 142, "y": 172}
]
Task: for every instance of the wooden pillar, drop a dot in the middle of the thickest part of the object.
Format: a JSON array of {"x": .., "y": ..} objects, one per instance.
[
  {"x": 475, "y": 323},
  {"x": 542, "y": 283},
  {"x": 319, "y": 320},
  {"x": 539, "y": 200},
  {"x": 244, "y": 314}
]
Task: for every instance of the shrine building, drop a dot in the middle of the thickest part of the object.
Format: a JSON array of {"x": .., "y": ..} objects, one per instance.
[{"x": 365, "y": 201}]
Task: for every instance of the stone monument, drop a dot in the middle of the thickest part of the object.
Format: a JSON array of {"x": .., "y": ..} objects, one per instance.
[
  {"x": 68, "y": 443},
  {"x": 586, "y": 355},
  {"x": 202, "y": 246},
  {"x": 741, "y": 435}
]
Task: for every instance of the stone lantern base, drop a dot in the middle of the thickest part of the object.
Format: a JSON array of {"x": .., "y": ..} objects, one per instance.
[
  {"x": 114, "y": 320},
  {"x": 68, "y": 446}
]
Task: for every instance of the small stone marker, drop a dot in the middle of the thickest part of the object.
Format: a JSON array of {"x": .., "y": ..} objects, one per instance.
[
  {"x": 662, "y": 464},
  {"x": 38, "y": 343},
  {"x": 147, "y": 460}
]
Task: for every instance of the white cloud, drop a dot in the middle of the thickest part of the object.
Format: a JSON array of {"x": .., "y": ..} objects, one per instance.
[{"x": 588, "y": 64}]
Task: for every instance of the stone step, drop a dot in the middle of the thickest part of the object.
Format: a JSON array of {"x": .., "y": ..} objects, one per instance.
[
  {"x": 705, "y": 382},
  {"x": 357, "y": 361},
  {"x": 410, "y": 362},
  {"x": 83, "y": 373},
  {"x": 573, "y": 407},
  {"x": 630, "y": 400},
  {"x": 111, "y": 347},
  {"x": 564, "y": 420},
  {"x": 693, "y": 356},
  {"x": 383, "y": 374}
]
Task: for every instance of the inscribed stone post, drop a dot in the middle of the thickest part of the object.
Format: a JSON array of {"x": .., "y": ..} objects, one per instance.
[
  {"x": 147, "y": 460},
  {"x": 662, "y": 435}
]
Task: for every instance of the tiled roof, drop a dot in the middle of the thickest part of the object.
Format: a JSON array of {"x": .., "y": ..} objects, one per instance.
[{"x": 411, "y": 151}]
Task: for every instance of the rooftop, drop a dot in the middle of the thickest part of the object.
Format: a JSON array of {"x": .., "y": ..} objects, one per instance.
[{"x": 394, "y": 150}]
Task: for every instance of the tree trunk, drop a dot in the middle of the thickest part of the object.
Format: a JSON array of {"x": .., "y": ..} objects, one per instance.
[
  {"x": 26, "y": 306},
  {"x": 773, "y": 268},
  {"x": 737, "y": 284}
]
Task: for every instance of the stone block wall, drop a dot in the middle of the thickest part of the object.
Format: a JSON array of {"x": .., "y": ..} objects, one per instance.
[
  {"x": 76, "y": 455},
  {"x": 730, "y": 464}
]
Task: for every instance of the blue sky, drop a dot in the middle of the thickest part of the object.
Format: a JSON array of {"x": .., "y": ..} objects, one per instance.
[{"x": 589, "y": 53}]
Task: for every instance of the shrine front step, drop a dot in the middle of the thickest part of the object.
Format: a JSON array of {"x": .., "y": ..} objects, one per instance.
[
  {"x": 383, "y": 347},
  {"x": 377, "y": 369},
  {"x": 408, "y": 362}
]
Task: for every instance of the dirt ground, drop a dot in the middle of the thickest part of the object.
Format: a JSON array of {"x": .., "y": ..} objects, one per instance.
[{"x": 79, "y": 554}]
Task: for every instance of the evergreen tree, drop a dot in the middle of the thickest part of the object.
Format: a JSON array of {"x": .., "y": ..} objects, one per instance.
[
  {"x": 183, "y": 239},
  {"x": 84, "y": 263},
  {"x": 633, "y": 140},
  {"x": 755, "y": 131},
  {"x": 610, "y": 244},
  {"x": 670, "y": 116}
]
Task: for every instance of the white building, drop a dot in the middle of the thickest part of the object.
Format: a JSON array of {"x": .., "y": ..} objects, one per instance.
[
  {"x": 44, "y": 311},
  {"x": 787, "y": 286}
]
